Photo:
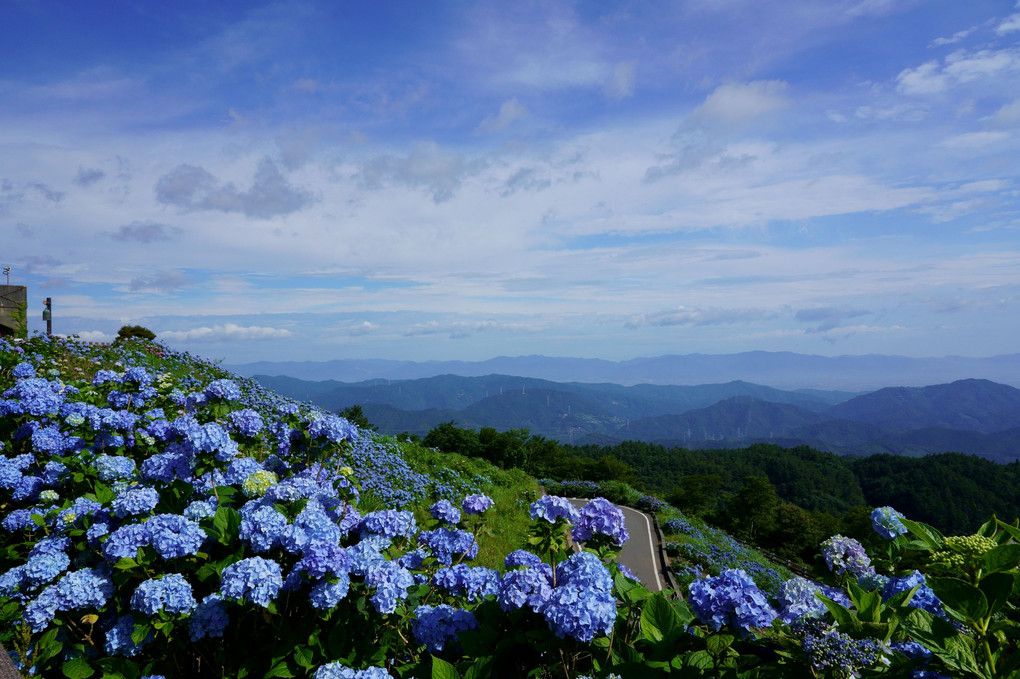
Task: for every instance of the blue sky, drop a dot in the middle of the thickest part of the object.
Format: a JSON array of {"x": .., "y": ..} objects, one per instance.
[{"x": 463, "y": 180}]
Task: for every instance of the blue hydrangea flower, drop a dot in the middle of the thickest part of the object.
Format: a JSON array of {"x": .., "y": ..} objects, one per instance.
[
  {"x": 579, "y": 612},
  {"x": 135, "y": 500},
  {"x": 23, "y": 370},
  {"x": 333, "y": 428},
  {"x": 924, "y": 598},
  {"x": 174, "y": 536},
  {"x": 552, "y": 507},
  {"x": 323, "y": 558},
  {"x": 114, "y": 467},
  {"x": 522, "y": 557},
  {"x": 171, "y": 593},
  {"x": 326, "y": 594},
  {"x": 731, "y": 598},
  {"x": 262, "y": 528},
  {"x": 390, "y": 581},
  {"x": 43, "y": 568},
  {"x": 124, "y": 542},
  {"x": 445, "y": 511},
  {"x": 600, "y": 517},
  {"x": 444, "y": 543},
  {"x": 470, "y": 582},
  {"x": 225, "y": 389},
  {"x": 584, "y": 569},
  {"x": 886, "y": 522},
  {"x": 255, "y": 579},
  {"x": 524, "y": 587},
  {"x": 389, "y": 522},
  {"x": 335, "y": 670},
  {"x": 118, "y": 638},
  {"x": 798, "y": 598},
  {"x": 832, "y": 649},
  {"x": 246, "y": 422},
  {"x": 209, "y": 618},
  {"x": 435, "y": 626}
]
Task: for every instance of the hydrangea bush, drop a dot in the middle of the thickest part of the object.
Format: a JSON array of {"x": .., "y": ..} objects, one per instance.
[{"x": 160, "y": 519}]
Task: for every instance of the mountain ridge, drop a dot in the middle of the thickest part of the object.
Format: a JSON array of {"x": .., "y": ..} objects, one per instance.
[{"x": 780, "y": 370}]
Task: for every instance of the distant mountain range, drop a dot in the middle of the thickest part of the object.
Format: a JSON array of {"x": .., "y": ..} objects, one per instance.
[
  {"x": 781, "y": 370},
  {"x": 972, "y": 416}
]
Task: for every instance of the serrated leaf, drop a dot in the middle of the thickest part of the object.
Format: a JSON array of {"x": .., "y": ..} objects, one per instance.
[
  {"x": 280, "y": 669},
  {"x": 717, "y": 644},
  {"x": 929, "y": 537},
  {"x": 1002, "y": 558},
  {"x": 481, "y": 668},
  {"x": 960, "y": 597},
  {"x": 443, "y": 670},
  {"x": 658, "y": 619},
  {"x": 997, "y": 587},
  {"x": 77, "y": 668}
]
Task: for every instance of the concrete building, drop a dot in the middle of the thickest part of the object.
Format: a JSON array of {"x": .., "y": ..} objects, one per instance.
[{"x": 11, "y": 298}]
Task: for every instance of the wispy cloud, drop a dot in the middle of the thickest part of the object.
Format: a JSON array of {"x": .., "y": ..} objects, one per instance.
[{"x": 227, "y": 332}]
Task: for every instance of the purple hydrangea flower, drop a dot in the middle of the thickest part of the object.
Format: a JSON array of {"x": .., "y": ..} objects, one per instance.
[
  {"x": 600, "y": 517},
  {"x": 846, "y": 555},
  {"x": 476, "y": 504}
]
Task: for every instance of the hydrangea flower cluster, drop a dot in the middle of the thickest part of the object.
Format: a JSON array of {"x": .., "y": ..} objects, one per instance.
[
  {"x": 886, "y": 522},
  {"x": 731, "y": 598},
  {"x": 600, "y": 517},
  {"x": 552, "y": 508},
  {"x": 846, "y": 555},
  {"x": 924, "y": 598}
]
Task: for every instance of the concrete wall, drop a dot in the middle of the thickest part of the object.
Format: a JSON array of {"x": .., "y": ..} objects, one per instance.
[{"x": 11, "y": 296}]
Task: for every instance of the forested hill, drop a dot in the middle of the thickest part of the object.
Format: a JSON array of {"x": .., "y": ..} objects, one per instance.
[{"x": 969, "y": 416}]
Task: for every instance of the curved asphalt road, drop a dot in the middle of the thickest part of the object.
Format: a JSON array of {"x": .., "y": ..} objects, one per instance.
[{"x": 640, "y": 553}]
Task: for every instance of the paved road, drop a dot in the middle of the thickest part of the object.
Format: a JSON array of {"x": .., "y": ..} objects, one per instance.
[{"x": 640, "y": 552}]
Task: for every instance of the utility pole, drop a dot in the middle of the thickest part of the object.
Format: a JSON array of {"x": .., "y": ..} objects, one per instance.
[{"x": 47, "y": 316}]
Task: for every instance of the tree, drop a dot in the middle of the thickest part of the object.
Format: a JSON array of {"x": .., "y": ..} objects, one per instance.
[
  {"x": 133, "y": 332},
  {"x": 753, "y": 507},
  {"x": 355, "y": 415}
]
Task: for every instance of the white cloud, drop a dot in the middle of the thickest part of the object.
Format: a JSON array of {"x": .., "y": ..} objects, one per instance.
[
  {"x": 509, "y": 111},
  {"x": 621, "y": 84},
  {"x": 960, "y": 67},
  {"x": 973, "y": 140},
  {"x": 927, "y": 78},
  {"x": 1007, "y": 116},
  {"x": 688, "y": 316},
  {"x": 735, "y": 104},
  {"x": 228, "y": 332},
  {"x": 1009, "y": 24},
  {"x": 94, "y": 336}
]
